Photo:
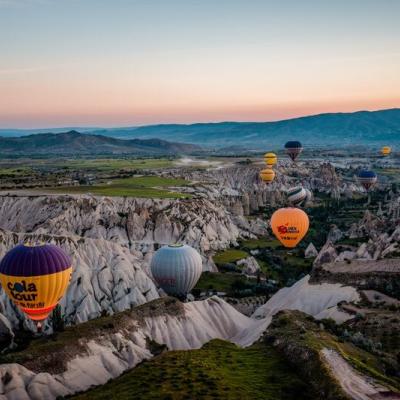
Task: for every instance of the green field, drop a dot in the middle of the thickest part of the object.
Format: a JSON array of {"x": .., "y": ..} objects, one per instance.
[
  {"x": 110, "y": 164},
  {"x": 262, "y": 243},
  {"x": 221, "y": 282},
  {"x": 6, "y": 172},
  {"x": 229, "y": 256},
  {"x": 143, "y": 186},
  {"x": 220, "y": 370}
]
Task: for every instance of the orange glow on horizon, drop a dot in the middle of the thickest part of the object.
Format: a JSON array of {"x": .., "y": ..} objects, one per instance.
[{"x": 114, "y": 118}]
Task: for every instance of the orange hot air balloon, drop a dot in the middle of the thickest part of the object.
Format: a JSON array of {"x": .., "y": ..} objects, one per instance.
[
  {"x": 386, "y": 150},
  {"x": 267, "y": 175},
  {"x": 289, "y": 225}
]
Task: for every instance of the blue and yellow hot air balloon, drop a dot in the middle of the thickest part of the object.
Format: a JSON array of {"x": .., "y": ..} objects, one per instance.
[{"x": 35, "y": 278}]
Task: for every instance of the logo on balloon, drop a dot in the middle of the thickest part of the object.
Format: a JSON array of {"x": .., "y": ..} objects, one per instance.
[
  {"x": 167, "y": 281},
  {"x": 282, "y": 229},
  {"x": 23, "y": 290}
]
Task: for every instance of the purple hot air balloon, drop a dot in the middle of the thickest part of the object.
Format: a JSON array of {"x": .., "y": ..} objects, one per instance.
[{"x": 35, "y": 277}]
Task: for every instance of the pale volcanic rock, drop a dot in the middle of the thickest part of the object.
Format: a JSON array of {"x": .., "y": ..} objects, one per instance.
[
  {"x": 250, "y": 265},
  {"x": 327, "y": 254},
  {"x": 131, "y": 222},
  {"x": 335, "y": 234},
  {"x": 312, "y": 299},
  {"x": 106, "y": 277},
  {"x": 346, "y": 255},
  {"x": 356, "y": 385},
  {"x": 109, "y": 355},
  {"x": 310, "y": 251}
]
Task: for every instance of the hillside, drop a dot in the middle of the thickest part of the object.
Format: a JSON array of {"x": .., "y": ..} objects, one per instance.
[
  {"x": 364, "y": 128},
  {"x": 259, "y": 372},
  {"x": 75, "y": 143},
  {"x": 340, "y": 129}
]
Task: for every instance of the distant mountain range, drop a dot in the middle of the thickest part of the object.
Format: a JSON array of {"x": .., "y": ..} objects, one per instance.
[
  {"x": 75, "y": 143},
  {"x": 11, "y": 132},
  {"x": 364, "y": 128}
]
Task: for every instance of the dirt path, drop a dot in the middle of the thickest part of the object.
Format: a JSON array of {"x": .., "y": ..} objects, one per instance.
[{"x": 357, "y": 386}]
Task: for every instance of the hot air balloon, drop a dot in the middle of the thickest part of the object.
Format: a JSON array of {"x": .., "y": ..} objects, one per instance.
[
  {"x": 296, "y": 195},
  {"x": 267, "y": 175},
  {"x": 386, "y": 150},
  {"x": 293, "y": 149},
  {"x": 35, "y": 277},
  {"x": 289, "y": 225},
  {"x": 270, "y": 159},
  {"x": 176, "y": 268},
  {"x": 367, "y": 179}
]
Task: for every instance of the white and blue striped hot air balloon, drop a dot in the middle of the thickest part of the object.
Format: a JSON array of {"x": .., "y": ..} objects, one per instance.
[
  {"x": 176, "y": 268},
  {"x": 296, "y": 195}
]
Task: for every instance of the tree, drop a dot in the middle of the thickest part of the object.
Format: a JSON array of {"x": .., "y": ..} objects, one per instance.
[{"x": 58, "y": 319}]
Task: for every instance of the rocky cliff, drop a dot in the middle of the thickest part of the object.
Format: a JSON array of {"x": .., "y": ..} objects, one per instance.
[
  {"x": 111, "y": 242},
  {"x": 102, "y": 349}
]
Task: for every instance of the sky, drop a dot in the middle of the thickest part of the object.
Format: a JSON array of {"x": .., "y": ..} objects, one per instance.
[{"x": 137, "y": 62}]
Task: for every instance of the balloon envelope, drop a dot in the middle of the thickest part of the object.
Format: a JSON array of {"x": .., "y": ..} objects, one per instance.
[
  {"x": 367, "y": 178},
  {"x": 386, "y": 150},
  {"x": 270, "y": 158},
  {"x": 309, "y": 195},
  {"x": 176, "y": 268},
  {"x": 293, "y": 149},
  {"x": 267, "y": 175},
  {"x": 35, "y": 278},
  {"x": 289, "y": 225},
  {"x": 296, "y": 195}
]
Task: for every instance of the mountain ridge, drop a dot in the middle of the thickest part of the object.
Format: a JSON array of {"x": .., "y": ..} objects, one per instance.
[
  {"x": 341, "y": 129},
  {"x": 76, "y": 143}
]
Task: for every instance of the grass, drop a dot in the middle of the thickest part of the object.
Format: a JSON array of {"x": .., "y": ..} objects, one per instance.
[
  {"x": 15, "y": 172},
  {"x": 220, "y": 370},
  {"x": 262, "y": 243},
  {"x": 110, "y": 164},
  {"x": 229, "y": 256},
  {"x": 221, "y": 282},
  {"x": 287, "y": 327},
  {"x": 144, "y": 186},
  {"x": 276, "y": 261}
]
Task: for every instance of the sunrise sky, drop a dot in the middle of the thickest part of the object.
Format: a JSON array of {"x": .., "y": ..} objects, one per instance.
[{"x": 135, "y": 62}]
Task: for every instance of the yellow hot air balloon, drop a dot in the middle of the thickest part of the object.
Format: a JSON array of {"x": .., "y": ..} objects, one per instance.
[
  {"x": 35, "y": 278},
  {"x": 289, "y": 225},
  {"x": 386, "y": 150},
  {"x": 270, "y": 158},
  {"x": 267, "y": 175}
]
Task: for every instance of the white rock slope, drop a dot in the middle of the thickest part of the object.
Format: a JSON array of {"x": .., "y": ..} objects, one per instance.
[
  {"x": 107, "y": 356},
  {"x": 315, "y": 300},
  {"x": 107, "y": 277}
]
